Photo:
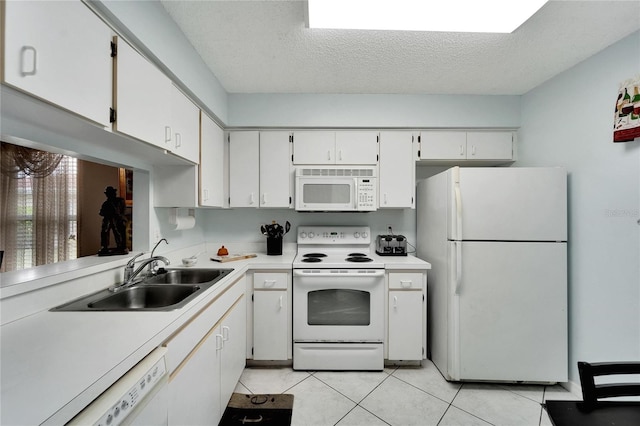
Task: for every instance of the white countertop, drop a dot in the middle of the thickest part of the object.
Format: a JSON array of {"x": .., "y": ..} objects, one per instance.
[{"x": 55, "y": 363}]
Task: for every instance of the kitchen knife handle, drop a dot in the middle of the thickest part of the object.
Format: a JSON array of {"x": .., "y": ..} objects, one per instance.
[{"x": 34, "y": 62}]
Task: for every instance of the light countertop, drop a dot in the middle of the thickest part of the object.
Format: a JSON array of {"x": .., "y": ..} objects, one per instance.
[{"x": 55, "y": 363}]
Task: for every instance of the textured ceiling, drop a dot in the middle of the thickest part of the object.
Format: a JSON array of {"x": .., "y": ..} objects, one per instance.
[{"x": 264, "y": 47}]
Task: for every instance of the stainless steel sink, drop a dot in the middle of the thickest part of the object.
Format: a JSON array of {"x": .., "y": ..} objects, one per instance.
[
  {"x": 145, "y": 297},
  {"x": 163, "y": 292},
  {"x": 187, "y": 276}
]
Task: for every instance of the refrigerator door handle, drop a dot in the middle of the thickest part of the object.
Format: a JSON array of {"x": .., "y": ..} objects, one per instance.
[
  {"x": 458, "y": 247},
  {"x": 458, "y": 197}
]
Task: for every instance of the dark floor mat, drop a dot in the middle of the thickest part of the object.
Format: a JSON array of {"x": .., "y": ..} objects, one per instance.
[{"x": 258, "y": 409}]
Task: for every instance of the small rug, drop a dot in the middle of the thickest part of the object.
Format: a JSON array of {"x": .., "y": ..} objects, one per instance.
[{"x": 258, "y": 409}]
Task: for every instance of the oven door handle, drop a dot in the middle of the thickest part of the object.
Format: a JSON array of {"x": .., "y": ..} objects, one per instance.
[{"x": 375, "y": 273}]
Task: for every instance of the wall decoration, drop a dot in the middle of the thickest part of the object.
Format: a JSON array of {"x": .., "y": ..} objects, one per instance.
[{"x": 626, "y": 125}]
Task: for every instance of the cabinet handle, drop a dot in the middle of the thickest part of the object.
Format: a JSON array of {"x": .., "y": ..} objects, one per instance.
[
  {"x": 264, "y": 198},
  {"x": 178, "y": 140},
  {"x": 252, "y": 198},
  {"x": 395, "y": 302},
  {"x": 473, "y": 150},
  {"x": 340, "y": 155},
  {"x": 385, "y": 198},
  {"x": 225, "y": 333},
  {"x": 328, "y": 154},
  {"x": 219, "y": 342},
  {"x": 167, "y": 134},
  {"x": 206, "y": 194},
  {"x": 406, "y": 283},
  {"x": 34, "y": 63},
  {"x": 280, "y": 303},
  {"x": 269, "y": 283},
  {"x": 461, "y": 150}
]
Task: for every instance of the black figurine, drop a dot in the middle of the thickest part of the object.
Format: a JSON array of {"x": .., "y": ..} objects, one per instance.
[{"x": 113, "y": 220}]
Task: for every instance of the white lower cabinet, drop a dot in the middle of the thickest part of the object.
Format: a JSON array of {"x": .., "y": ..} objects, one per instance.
[
  {"x": 407, "y": 326},
  {"x": 205, "y": 359},
  {"x": 272, "y": 330}
]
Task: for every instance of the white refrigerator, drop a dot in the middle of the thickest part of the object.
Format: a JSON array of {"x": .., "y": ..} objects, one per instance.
[{"x": 496, "y": 238}]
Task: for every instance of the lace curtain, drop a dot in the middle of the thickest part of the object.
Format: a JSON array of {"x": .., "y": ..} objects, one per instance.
[{"x": 38, "y": 207}]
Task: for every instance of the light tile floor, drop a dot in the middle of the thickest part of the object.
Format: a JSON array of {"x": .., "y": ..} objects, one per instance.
[{"x": 401, "y": 396}]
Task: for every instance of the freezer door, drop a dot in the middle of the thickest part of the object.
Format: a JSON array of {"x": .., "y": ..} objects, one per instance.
[
  {"x": 508, "y": 204},
  {"x": 510, "y": 305}
]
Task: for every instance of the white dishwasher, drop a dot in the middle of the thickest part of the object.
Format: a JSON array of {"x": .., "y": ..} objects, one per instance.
[{"x": 140, "y": 397}]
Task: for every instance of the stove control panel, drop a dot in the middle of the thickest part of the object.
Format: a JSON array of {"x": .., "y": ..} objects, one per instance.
[{"x": 334, "y": 235}]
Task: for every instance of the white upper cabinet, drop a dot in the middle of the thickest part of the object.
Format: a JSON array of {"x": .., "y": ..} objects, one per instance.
[
  {"x": 244, "y": 169},
  {"x": 342, "y": 147},
  {"x": 490, "y": 145},
  {"x": 60, "y": 52},
  {"x": 276, "y": 178},
  {"x": 212, "y": 176},
  {"x": 142, "y": 98},
  {"x": 455, "y": 145},
  {"x": 397, "y": 175},
  {"x": 185, "y": 126},
  {"x": 259, "y": 169}
]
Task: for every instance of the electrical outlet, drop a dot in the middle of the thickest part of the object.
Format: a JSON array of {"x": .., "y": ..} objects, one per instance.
[{"x": 389, "y": 229}]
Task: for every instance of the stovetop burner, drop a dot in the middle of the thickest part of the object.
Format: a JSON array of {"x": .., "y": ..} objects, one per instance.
[
  {"x": 358, "y": 259},
  {"x": 356, "y": 255},
  {"x": 311, "y": 260},
  {"x": 314, "y": 255}
]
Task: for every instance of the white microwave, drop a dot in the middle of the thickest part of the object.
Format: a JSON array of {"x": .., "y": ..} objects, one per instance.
[{"x": 338, "y": 188}]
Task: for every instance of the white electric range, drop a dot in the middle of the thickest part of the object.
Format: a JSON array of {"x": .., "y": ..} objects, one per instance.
[{"x": 338, "y": 300}]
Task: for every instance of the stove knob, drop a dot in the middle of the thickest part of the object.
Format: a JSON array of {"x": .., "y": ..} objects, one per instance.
[
  {"x": 303, "y": 235},
  {"x": 311, "y": 235},
  {"x": 365, "y": 235},
  {"x": 356, "y": 234}
]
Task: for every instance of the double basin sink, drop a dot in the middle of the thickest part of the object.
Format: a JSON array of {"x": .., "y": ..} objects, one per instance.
[{"x": 165, "y": 291}]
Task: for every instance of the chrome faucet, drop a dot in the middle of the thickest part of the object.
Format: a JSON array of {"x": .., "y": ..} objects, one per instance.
[
  {"x": 130, "y": 276},
  {"x": 154, "y": 264}
]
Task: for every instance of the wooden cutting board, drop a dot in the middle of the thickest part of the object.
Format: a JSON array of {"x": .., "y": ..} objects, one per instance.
[{"x": 232, "y": 257}]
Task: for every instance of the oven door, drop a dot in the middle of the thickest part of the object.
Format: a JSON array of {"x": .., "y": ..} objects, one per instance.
[
  {"x": 326, "y": 193},
  {"x": 343, "y": 305}
]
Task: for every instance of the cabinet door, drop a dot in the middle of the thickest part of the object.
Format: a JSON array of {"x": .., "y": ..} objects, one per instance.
[
  {"x": 211, "y": 163},
  {"x": 142, "y": 99},
  {"x": 185, "y": 126},
  {"x": 194, "y": 389},
  {"x": 397, "y": 170},
  {"x": 443, "y": 145},
  {"x": 244, "y": 166},
  {"x": 234, "y": 338},
  {"x": 406, "y": 327},
  {"x": 489, "y": 145},
  {"x": 275, "y": 170},
  {"x": 314, "y": 147},
  {"x": 60, "y": 52},
  {"x": 354, "y": 147},
  {"x": 270, "y": 326}
]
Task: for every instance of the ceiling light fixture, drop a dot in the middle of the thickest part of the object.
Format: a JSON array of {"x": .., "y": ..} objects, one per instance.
[{"x": 485, "y": 16}]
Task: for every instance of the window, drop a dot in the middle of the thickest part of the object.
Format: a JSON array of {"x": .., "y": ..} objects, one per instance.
[{"x": 39, "y": 194}]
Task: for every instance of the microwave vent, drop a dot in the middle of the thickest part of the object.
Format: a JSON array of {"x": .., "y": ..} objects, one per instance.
[{"x": 367, "y": 172}]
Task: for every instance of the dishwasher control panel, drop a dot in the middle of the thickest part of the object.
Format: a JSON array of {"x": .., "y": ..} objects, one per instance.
[{"x": 125, "y": 395}]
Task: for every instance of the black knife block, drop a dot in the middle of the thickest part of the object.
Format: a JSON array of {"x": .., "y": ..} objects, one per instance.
[{"x": 274, "y": 246}]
